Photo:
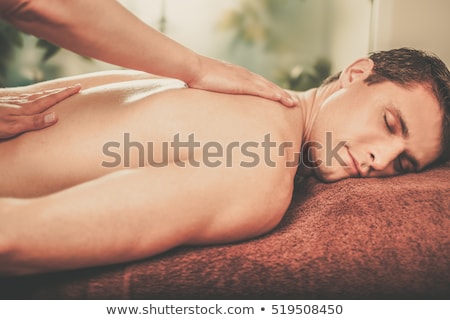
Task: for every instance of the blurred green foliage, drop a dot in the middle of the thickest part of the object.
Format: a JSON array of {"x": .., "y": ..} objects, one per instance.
[
  {"x": 11, "y": 40},
  {"x": 273, "y": 26},
  {"x": 301, "y": 79},
  {"x": 260, "y": 22}
]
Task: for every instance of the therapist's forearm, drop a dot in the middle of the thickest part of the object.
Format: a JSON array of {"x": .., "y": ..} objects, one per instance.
[{"x": 104, "y": 30}]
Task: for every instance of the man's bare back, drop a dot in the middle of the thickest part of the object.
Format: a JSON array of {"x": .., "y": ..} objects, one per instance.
[
  {"x": 66, "y": 171},
  {"x": 71, "y": 152}
]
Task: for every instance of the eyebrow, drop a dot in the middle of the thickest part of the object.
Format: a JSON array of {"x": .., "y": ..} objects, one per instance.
[
  {"x": 405, "y": 134},
  {"x": 398, "y": 115}
]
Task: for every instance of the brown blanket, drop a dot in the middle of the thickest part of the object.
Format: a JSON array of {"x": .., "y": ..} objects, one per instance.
[{"x": 358, "y": 238}]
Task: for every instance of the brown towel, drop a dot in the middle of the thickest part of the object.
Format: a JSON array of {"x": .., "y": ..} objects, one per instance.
[{"x": 358, "y": 238}]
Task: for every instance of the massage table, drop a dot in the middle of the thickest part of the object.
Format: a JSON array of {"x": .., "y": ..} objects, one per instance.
[{"x": 385, "y": 238}]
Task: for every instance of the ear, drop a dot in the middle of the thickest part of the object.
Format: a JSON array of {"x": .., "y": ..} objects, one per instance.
[{"x": 358, "y": 70}]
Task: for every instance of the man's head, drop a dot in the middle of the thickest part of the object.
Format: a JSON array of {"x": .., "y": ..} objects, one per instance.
[{"x": 388, "y": 114}]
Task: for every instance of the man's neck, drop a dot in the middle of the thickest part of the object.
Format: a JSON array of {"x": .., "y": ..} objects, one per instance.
[{"x": 310, "y": 103}]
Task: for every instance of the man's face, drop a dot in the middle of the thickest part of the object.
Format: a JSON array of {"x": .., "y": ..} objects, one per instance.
[{"x": 378, "y": 130}]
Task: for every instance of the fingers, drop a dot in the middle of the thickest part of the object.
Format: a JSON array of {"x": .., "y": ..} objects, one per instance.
[
  {"x": 256, "y": 84},
  {"x": 268, "y": 90},
  {"x": 26, "y": 112},
  {"x": 282, "y": 96},
  {"x": 220, "y": 76},
  {"x": 40, "y": 121},
  {"x": 289, "y": 101},
  {"x": 18, "y": 124},
  {"x": 39, "y": 102}
]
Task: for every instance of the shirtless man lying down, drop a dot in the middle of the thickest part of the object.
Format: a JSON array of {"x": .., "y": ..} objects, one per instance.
[{"x": 138, "y": 165}]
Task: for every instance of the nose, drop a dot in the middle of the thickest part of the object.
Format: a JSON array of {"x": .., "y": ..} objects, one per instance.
[{"x": 383, "y": 155}]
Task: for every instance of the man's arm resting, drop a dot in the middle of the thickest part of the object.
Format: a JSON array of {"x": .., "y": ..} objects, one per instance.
[{"x": 128, "y": 215}]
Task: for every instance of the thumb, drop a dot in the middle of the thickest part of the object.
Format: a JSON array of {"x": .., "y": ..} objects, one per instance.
[{"x": 39, "y": 121}]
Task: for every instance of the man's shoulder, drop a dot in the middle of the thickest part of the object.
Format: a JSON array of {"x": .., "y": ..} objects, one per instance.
[{"x": 248, "y": 203}]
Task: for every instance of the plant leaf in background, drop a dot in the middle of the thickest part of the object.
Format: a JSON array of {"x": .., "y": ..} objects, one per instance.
[
  {"x": 12, "y": 35},
  {"x": 301, "y": 78},
  {"x": 260, "y": 22},
  {"x": 10, "y": 38},
  {"x": 250, "y": 23},
  {"x": 49, "y": 49},
  {"x": 265, "y": 24}
]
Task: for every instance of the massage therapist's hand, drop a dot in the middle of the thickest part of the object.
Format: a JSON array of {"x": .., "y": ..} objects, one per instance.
[
  {"x": 27, "y": 112},
  {"x": 141, "y": 47},
  {"x": 215, "y": 75}
]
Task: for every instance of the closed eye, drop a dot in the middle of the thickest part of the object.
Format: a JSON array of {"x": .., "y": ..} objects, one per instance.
[
  {"x": 396, "y": 124},
  {"x": 403, "y": 164},
  {"x": 389, "y": 122}
]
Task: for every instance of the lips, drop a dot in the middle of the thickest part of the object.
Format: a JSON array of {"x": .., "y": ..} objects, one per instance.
[{"x": 354, "y": 164}]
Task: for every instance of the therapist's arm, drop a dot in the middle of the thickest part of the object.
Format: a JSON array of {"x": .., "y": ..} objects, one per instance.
[{"x": 105, "y": 30}]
